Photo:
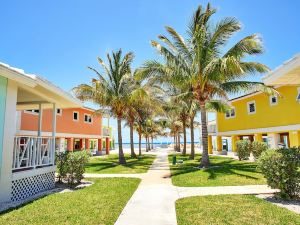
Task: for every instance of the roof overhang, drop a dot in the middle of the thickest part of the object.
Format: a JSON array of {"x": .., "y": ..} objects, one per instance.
[
  {"x": 33, "y": 90},
  {"x": 286, "y": 74}
]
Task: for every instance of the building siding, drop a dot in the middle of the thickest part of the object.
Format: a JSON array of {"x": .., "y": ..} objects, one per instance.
[
  {"x": 3, "y": 90},
  {"x": 64, "y": 123},
  {"x": 286, "y": 112}
]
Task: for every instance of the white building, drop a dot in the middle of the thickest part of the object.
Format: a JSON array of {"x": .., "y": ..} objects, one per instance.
[{"x": 27, "y": 163}]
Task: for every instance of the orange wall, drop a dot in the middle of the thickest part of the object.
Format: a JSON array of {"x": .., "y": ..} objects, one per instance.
[{"x": 64, "y": 122}]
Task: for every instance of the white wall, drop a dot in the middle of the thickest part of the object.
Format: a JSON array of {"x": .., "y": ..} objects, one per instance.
[{"x": 9, "y": 133}]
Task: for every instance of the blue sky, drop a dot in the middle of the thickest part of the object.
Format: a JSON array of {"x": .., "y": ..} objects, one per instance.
[{"x": 58, "y": 39}]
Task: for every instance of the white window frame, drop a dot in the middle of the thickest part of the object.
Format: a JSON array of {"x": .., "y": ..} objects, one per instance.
[
  {"x": 248, "y": 107},
  {"x": 60, "y": 114},
  {"x": 298, "y": 95},
  {"x": 86, "y": 114},
  {"x": 31, "y": 111},
  {"x": 77, "y": 116},
  {"x": 230, "y": 116},
  {"x": 273, "y": 103}
]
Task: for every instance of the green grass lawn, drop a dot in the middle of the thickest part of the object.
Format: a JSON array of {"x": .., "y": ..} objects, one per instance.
[
  {"x": 232, "y": 209},
  {"x": 109, "y": 164},
  {"x": 226, "y": 173},
  {"x": 100, "y": 203}
]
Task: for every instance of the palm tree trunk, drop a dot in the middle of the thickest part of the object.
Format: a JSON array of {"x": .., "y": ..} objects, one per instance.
[
  {"x": 151, "y": 142},
  {"x": 140, "y": 144},
  {"x": 147, "y": 148},
  {"x": 133, "y": 155},
  {"x": 148, "y": 143},
  {"x": 175, "y": 143},
  {"x": 122, "y": 159},
  {"x": 179, "y": 142},
  {"x": 205, "y": 156},
  {"x": 192, "y": 156},
  {"x": 184, "y": 137}
]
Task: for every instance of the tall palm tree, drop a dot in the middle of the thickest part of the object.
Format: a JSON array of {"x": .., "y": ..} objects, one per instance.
[
  {"x": 212, "y": 71},
  {"x": 193, "y": 108},
  {"x": 112, "y": 88}
]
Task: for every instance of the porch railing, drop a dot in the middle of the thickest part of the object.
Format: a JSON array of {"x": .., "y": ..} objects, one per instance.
[{"x": 32, "y": 152}]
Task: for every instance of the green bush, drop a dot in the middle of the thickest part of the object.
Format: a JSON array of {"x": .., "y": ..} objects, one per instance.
[
  {"x": 243, "y": 148},
  {"x": 61, "y": 164},
  {"x": 71, "y": 166},
  {"x": 257, "y": 148},
  {"x": 280, "y": 168}
]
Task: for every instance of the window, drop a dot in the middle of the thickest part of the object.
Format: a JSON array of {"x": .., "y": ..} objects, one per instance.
[
  {"x": 75, "y": 116},
  {"x": 230, "y": 113},
  {"x": 32, "y": 111},
  {"x": 251, "y": 107},
  {"x": 298, "y": 95},
  {"x": 87, "y": 118},
  {"x": 59, "y": 112},
  {"x": 273, "y": 100}
]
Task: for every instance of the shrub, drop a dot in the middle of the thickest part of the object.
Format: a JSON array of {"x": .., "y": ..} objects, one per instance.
[
  {"x": 280, "y": 168},
  {"x": 61, "y": 163},
  {"x": 243, "y": 148},
  {"x": 71, "y": 166},
  {"x": 257, "y": 148}
]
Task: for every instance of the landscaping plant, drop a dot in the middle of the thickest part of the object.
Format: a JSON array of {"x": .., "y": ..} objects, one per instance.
[
  {"x": 61, "y": 164},
  {"x": 257, "y": 148},
  {"x": 281, "y": 169},
  {"x": 243, "y": 148},
  {"x": 71, "y": 166}
]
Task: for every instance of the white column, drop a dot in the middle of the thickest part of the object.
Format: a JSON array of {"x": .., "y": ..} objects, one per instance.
[
  {"x": 53, "y": 130},
  {"x": 40, "y": 120},
  {"x": 273, "y": 140},
  {"x": 61, "y": 144},
  {"x": 8, "y": 144},
  {"x": 18, "y": 122}
]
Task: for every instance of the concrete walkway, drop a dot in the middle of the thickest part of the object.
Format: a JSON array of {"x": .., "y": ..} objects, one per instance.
[{"x": 153, "y": 203}]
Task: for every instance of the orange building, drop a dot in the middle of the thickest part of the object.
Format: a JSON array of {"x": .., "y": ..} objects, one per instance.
[{"x": 76, "y": 128}]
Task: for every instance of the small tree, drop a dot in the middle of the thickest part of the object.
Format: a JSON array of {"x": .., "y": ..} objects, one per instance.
[
  {"x": 280, "y": 168},
  {"x": 71, "y": 166},
  {"x": 257, "y": 148},
  {"x": 243, "y": 149},
  {"x": 61, "y": 163}
]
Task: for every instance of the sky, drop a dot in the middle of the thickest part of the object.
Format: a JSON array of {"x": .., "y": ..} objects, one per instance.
[{"x": 59, "y": 39}]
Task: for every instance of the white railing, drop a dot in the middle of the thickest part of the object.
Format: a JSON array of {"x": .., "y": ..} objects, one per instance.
[{"x": 32, "y": 152}]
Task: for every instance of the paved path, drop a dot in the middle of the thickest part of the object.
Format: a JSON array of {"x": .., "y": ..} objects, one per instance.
[
  {"x": 222, "y": 190},
  {"x": 153, "y": 203}
]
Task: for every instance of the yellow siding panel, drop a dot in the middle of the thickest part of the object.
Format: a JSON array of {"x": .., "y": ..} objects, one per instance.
[{"x": 286, "y": 112}]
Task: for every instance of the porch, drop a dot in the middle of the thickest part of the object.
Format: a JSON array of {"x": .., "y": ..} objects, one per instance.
[{"x": 27, "y": 163}]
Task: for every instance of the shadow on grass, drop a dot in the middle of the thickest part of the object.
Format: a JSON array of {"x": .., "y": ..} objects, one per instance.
[
  {"x": 111, "y": 163},
  {"x": 220, "y": 167}
]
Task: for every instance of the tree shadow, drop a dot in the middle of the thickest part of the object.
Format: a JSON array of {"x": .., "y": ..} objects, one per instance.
[
  {"x": 220, "y": 167},
  {"x": 104, "y": 164}
]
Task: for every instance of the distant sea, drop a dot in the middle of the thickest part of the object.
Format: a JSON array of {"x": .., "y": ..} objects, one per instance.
[{"x": 155, "y": 144}]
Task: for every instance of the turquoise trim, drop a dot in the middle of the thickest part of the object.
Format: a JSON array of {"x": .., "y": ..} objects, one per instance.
[{"x": 3, "y": 93}]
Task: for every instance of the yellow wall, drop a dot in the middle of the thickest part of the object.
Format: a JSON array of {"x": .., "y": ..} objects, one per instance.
[
  {"x": 294, "y": 137},
  {"x": 286, "y": 112}
]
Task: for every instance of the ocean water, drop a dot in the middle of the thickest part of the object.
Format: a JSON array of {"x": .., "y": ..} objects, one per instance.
[{"x": 155, "y": 144}]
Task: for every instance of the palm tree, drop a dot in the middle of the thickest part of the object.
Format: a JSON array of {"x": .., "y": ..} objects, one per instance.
[
  {"x": 193, "y": 108},
  {"x": 112, "y": 89},
  {"x": 212, "y": 72}
]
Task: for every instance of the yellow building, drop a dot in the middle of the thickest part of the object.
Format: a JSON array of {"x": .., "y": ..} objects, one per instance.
[{"x": 257, "y": 116}]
